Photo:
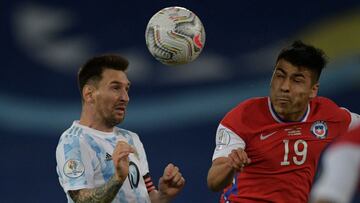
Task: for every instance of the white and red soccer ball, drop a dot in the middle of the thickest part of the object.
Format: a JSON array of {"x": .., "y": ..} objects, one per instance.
[{"x": 175, "y": 35}]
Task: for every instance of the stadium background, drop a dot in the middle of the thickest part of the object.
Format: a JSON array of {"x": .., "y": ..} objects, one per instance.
[{"x": 174, "y": 110}]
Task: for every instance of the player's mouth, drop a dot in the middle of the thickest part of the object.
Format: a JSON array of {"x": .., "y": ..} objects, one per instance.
[
  {"x": 120, "y": 109},
  {"x": 283, "y": 99}
]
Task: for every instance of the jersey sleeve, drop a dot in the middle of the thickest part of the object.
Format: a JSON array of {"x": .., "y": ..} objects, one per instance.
[
  {"x": 340, "y": 175},
  {"x": 74, "y": 164},
  {"x": 226, "y": 141},
  {"x": 355, "y": 121},
  {"x": 144, "y": 167}
]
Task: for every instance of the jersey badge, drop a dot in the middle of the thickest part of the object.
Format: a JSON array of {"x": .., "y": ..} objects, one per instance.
[
  {"x": 73, "y": 168},
  {"x": 319, "y": 129},
  {"x": 222, "y": 138}
]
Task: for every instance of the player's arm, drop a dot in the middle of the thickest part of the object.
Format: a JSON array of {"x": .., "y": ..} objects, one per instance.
[
  {"x": 223, "y": 169},
  {"x": 107, "y": 192},
  {"x": 104, "y": 193},
  {"x": 229, "y": 157},
  {"x": 170, "y": 184}
]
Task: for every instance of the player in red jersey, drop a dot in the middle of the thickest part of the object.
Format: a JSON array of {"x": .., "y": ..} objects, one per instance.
[
  {"x": 267, "y": 149},
  {"x": 340, "y": 178}
]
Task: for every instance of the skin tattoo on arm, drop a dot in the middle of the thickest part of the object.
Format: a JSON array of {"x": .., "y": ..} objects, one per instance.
[{"x": 105, "y": 193}]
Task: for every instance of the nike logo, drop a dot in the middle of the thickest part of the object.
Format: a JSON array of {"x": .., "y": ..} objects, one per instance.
[{"x": 264, "y": 137}]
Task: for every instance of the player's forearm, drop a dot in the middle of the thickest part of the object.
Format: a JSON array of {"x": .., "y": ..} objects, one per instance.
[
  {"x": 220, "y": 175},
  {"x": 158, "y": 197},
  {"x": 104, "y": 194}
]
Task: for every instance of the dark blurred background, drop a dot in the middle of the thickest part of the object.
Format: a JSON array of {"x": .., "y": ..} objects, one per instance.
[{"x": 175, "y": 110}]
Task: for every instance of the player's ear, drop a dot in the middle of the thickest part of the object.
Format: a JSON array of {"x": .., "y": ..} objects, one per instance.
[
  {"x": 314, "y": 90},
  {"x": 88, "y": 93}
]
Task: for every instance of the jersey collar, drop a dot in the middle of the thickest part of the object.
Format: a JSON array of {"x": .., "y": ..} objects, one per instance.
[{"x": 279, "y": 120}]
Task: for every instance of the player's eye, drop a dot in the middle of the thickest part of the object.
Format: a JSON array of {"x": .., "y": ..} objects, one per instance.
[
  {"x": 299, "y": 80},
  {"x": 115, "y": 88},
  {"x": 279, "y": 75}
]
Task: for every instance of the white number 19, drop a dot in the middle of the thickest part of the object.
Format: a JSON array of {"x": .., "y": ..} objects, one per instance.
[{"x": 301, "y": 153}]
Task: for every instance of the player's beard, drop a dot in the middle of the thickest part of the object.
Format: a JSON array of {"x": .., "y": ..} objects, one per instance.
[
  {"x": 290, "y": 109},
  {"x": 110, "y": 117},
  {"x": 113, "y": 119}
]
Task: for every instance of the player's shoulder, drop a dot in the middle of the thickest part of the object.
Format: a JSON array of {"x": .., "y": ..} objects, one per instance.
[
  {"x": 73, "y": 135},
  {"x": 127, "y": 133},
  {"x": 69, "y": 140},
  {"x": 247, "y": 116},
  {"x": 73, "y": 132},
  {"x": 327, "y": 108},
  {"x": 323, "y": 101}
]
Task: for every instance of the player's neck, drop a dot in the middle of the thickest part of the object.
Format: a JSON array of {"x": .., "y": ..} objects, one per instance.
[
  {"x": 95, "y": 125},
  {"x": 282, "y": 116},
  {"x": 293, "y": 117},
  {"x": 91, "y": 120}
]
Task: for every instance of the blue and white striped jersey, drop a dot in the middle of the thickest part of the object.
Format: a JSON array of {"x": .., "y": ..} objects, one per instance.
[{"x": 84, "y": 160}]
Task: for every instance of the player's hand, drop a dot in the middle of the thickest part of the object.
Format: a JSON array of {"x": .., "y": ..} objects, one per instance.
[
  {"x": 120, "y": 158},
  {"x": 238, "y": 159},
  {"x": 171, "y": 183}
]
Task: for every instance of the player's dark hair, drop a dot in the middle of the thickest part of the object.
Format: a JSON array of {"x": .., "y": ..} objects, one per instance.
[
  {"x": 92, "y": 70},
  {"x": 304, "y": 55}
]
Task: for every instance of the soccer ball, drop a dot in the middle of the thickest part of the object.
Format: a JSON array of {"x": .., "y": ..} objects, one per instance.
[{"x": 175, "y": 35}]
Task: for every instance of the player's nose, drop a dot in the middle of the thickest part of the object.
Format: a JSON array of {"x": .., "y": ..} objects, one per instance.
[
  {"x": 285, "y": 85},
  {"x": 124, "y": 96}
]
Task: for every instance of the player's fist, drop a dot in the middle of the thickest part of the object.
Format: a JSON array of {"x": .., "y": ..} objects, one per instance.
[
  {"x": 238, "y": 159},
  {"x": 171, "y": 182},
  {"x": 120, "y": 159}
]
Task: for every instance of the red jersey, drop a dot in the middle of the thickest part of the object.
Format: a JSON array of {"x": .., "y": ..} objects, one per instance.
[{"x": 284, "y": 155}]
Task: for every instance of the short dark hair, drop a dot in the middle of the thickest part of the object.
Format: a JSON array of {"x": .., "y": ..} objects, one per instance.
[
  {"x": 304, "y": 55},
  {"x": 92, "y": 70}
]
